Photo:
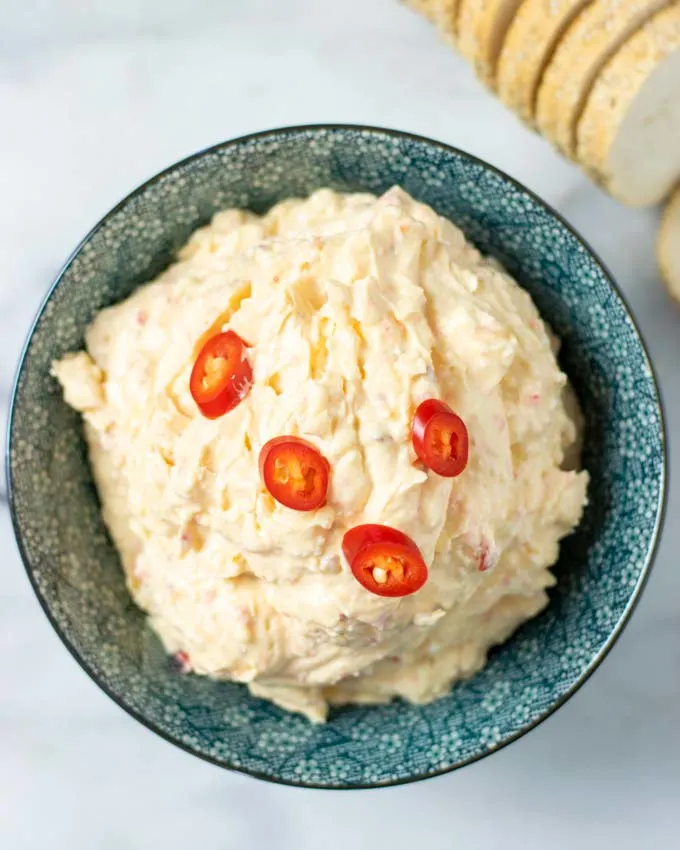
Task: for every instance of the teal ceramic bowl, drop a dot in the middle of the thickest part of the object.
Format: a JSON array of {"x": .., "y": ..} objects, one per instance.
[{"x": 75, "y": 570}]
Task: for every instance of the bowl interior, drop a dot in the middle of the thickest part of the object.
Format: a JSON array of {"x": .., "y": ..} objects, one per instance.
[{"x": 75, "y": 569}]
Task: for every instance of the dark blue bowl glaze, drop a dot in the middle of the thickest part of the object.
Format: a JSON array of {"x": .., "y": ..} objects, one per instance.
[{"x": 75, "y": 570}]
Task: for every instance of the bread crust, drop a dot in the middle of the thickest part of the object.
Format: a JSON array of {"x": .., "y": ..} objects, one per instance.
[
  {"x": 616, "y": 89},
  {"x": 596, "y": 33},
  {"x": 481, "y": 29},
  {"x": 528, "y": 47}
]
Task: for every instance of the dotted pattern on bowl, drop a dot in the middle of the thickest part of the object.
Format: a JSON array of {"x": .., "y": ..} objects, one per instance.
[{"x": 75, "y": 569}]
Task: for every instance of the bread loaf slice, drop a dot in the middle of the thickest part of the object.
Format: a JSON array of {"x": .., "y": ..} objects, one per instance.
[
  {"x": 440, "y": 12},
  {"x": 628, "y": 136},
  {"x": 480, "y": 31},
  {"x": 668, "y": 245},
  {"x": 529, "y": 43},
  {"x": 589, "y": 42}
]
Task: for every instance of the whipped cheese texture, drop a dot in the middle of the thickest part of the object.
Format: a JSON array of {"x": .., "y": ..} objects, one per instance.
[{"x": 356, "y": 309}]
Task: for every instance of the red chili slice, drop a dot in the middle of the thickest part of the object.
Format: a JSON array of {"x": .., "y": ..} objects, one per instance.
[
  {"x": 222, "y": 375},
  {"x": 440, "y": 438},
  {"x": 295, "y": 473},
  {"x": 384, "y": 560}
]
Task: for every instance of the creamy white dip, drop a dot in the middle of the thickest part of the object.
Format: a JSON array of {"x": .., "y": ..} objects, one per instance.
[{"x": 357, "y": 309}]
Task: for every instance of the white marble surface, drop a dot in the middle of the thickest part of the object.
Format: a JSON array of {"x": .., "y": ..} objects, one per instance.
[{"x": 94, "y": 97}]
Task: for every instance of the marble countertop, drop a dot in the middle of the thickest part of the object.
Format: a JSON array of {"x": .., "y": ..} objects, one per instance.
[{"x": 96, "y": 96}]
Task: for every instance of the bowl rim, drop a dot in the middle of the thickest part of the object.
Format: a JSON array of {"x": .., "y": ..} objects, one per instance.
[{"x": 373, "y": 131}]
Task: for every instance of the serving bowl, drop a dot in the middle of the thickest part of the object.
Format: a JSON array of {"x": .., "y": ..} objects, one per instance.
[{"x": 75, "y": 570}]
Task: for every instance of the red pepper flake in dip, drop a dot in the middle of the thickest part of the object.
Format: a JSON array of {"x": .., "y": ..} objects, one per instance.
[{"x": 182, "y": 662}]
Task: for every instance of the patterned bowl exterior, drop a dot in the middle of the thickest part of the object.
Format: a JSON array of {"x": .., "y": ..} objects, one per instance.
[{"x": 75, "y": 569}]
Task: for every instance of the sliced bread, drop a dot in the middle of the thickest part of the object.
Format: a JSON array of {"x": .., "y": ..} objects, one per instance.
[
  {"x": 480, "y": 31},
  {"x": 668, "y": 245},
  {"x": 588, "y": 43},
  {"x": 440, "y": 12},
  {"x": 628, "y": 136},
  {"x": 529, "y": 44}
]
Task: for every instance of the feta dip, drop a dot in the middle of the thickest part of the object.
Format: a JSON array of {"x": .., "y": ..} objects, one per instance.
[{"x": 348, "y": 313}]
